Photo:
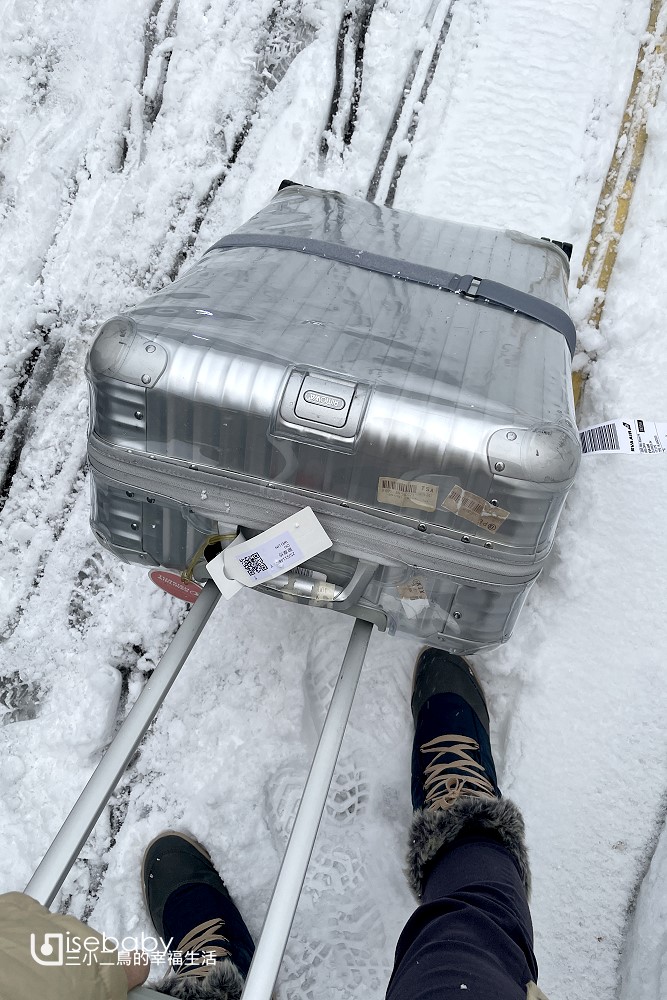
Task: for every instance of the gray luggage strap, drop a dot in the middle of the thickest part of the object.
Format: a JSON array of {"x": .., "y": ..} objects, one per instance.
[{"x": 483, "y": 290}]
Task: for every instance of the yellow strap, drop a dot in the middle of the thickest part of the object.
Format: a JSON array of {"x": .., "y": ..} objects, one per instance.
[{"x": 186, "y": 575}]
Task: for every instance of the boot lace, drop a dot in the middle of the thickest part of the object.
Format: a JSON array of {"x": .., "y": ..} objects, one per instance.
[
  {"x": 453, "y": 754},
  {"x": 199, "y": 945}
]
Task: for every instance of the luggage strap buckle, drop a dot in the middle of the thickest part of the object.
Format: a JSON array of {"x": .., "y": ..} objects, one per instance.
[{"x": 468, "y": 286}]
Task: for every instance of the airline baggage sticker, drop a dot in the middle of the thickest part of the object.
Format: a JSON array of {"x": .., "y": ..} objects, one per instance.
[
  {"x": 631, "y": 436},
  {"x": 406, "y": 493},
  {"x": 475, "y": 509},
  {"x": 276, "y": 550}
]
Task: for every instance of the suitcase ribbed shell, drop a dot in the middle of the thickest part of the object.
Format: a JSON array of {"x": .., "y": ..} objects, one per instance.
[{"x": 374, "y": 399}]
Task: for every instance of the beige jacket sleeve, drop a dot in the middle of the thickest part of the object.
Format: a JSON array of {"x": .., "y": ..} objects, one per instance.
[
  {"x": 533, "y": 992},
  {"x": 45, "y": 956}
]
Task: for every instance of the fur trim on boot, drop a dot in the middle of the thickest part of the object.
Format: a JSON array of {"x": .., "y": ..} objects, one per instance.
[
  {"x": 435, "y": 828},
  {"x": 224, "y": 982}
]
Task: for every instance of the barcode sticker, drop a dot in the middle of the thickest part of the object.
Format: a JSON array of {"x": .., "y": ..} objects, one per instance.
[
  {"x": 475, "y": 509},
  {"x": 277, "y": 550},
  {"x": 635, "y": 436},
  {"x": 406, "y": 493}
]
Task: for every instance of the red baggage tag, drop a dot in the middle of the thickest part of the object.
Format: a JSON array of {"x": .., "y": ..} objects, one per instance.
[{"x": 172, "y": 584}]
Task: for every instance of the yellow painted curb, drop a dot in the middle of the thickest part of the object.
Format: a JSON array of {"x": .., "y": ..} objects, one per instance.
[
  {"x": 613, "y": 207},
  {"x": 578, "y": 380}
]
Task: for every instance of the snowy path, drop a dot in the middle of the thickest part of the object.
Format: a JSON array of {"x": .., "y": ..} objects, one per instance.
[{"x": 128, "y": 144}]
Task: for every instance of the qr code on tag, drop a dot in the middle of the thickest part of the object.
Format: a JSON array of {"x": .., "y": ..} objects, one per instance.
[{"x": 253, "y": 564}]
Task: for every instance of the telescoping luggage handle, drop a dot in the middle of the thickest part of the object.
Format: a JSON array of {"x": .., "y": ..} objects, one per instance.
[
  {"x": 482, "y": 290},
  {"x": 333, "y": 595},
  {"x": 63, "y": 852}
]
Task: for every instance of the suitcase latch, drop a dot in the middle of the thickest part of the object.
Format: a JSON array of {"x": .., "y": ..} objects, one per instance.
[
  {"x": 319, "y": 406},
  {"x": 324, "y": 400}
]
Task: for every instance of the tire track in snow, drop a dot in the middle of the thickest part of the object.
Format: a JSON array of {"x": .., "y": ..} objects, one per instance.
[
  {"x": 414, "y": 114},
  {"x": 285, "y": 36},
  {"x": 42, "y": 58},
  {"x": 344, "y": 27},
  {"x": 159, "y": 39},
  {"x": 153, "y": 91},
  {"x": 421, "y": 71},
  {"x": 350, "y": 46},
  {"x": 347, "y": 91},
  {"x": 37, "y": 371},
  {"x": 29, "y": 370},
  {"x": 34, "y": 370},
  {"x": 55, "y": 522}
]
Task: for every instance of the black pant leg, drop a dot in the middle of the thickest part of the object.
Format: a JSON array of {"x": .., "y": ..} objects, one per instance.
[{"x": 471, "y": 937}]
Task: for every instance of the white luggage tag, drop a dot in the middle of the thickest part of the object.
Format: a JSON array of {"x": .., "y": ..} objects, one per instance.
[
  {"x": 216, "y": 570},
  {"x": 630, "y": 436},
  {"x": 276, "y": 550}
]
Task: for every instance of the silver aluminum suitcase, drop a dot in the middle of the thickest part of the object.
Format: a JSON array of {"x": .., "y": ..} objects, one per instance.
[{"x": 405, "y": 377}]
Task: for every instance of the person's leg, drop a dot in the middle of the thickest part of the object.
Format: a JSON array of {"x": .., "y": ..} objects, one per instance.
[
  {"x": 190, "y": 906},
  {"x": 472, "y": 931},
  {"x": 467, "y": 864}
]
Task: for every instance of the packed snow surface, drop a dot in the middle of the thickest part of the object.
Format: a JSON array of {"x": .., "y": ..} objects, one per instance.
[{"x": 133, "y": 135}]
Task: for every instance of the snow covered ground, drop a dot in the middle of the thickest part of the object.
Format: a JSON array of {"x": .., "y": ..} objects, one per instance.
[{"x": 129, "y": 142}]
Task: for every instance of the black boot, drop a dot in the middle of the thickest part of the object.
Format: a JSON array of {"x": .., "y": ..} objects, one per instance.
[
  {"x": 454, "y": 785},
  {"x": 211, "y": 948}
]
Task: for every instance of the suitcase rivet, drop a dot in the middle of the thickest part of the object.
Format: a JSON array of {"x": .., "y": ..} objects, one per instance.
[
  {"x": 499, "y": 466},
  {"x": 146, "y": 379},
  {"x": 511, "y": 436},
  {"x": 488, "y": 545},
  {"x": 134, "y": 526},
  {"x": 138, "y": 414},
  {"x": 494, "y": 503},
  {"x": 129, "y": 493},
  {"x": 465, "y": 538},
  {"x": 421, "y": 527},
  {"x": 151, "y": 499},
  {"x": 150, "y": 348},
  {"x": 457, "y": 615}
]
